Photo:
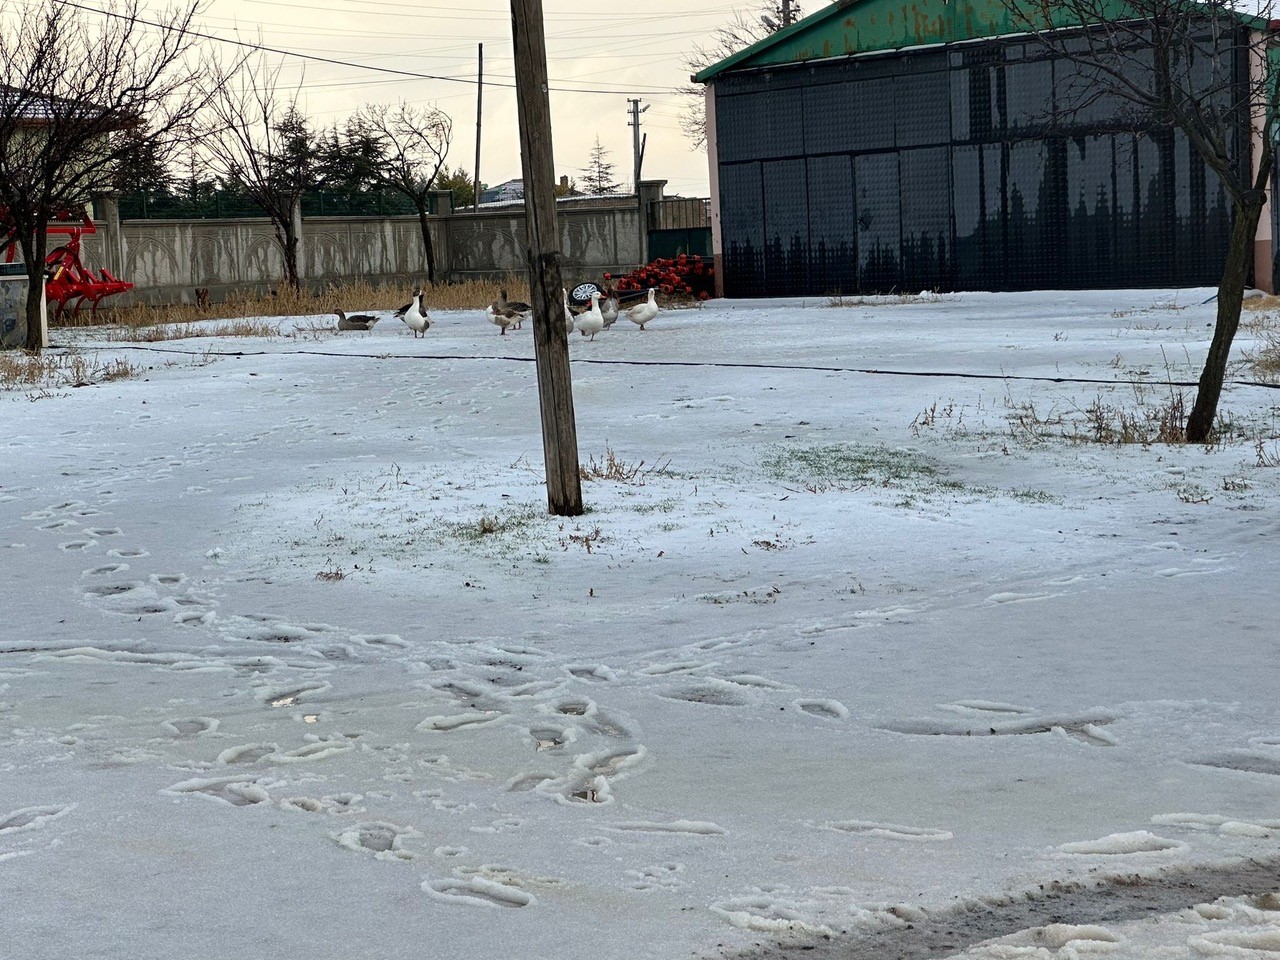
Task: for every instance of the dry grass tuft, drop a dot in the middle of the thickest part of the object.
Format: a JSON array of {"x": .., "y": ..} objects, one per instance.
[
  {"x": 1155, "y": 418},
  {"x": 354, "y": 296},
  {"x": 20, "y": 370},
  {"x": 1264, "y": 361},
  {"x": 1259, "y": 322},
  {"x": 883, "y": 300},
  {"x": 331, "y": 573},
  {"x": 1267, "y": 301},
  {"x": 186, "y": 331},
  {"x": 1164, "y": 422},
  {"x": 611, "y": 467}
]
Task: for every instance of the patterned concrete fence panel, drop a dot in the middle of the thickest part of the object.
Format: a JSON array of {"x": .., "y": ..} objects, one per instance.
[{"x": 168, "y": 259}]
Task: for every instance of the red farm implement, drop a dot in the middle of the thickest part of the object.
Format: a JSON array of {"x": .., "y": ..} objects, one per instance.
[{"x": 69, "y": 284}]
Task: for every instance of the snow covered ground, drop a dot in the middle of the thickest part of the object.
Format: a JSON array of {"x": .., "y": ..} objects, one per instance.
[{"x": 293, "y": 663}]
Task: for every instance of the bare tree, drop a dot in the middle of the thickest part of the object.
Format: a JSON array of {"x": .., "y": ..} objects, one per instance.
[
  {"x": 415, "y": 142},
  {"x": 78, "y": 90},
  {"x": 256, "y": 138},
  {"x": 1195, "y": 65},
  {"x": 744, "y": 28}
]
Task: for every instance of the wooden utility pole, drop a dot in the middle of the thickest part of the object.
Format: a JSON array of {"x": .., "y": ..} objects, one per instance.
[
  {"x": 550, "y": 344},
  {"x": 475, "y": 192}
]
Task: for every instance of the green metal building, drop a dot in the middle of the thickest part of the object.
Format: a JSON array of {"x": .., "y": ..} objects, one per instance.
[{"x": 881, "y": 145}]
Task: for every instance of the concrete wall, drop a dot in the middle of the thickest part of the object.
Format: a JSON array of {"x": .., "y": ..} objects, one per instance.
[{"x": 167, "y": 259}]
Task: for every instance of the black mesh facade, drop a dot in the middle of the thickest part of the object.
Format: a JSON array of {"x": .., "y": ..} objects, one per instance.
[{"x": 969, "y": 168}]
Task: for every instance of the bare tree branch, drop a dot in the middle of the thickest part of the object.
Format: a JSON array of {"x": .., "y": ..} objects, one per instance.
[
  {"x": 1200, "y": 67},
  {"x": 77, "y": 91},
  {"x": 255, "y": 137},
  {"x": 744, "y": 28},
  {"x": 415, "y": 144}
]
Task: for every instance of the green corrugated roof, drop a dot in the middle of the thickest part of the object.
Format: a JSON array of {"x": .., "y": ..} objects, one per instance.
[{"x": 850, "y": 27}]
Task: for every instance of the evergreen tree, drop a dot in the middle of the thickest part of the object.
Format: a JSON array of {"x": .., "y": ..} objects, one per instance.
[
  {"x": 597, "y": 175},
  {"x": 458, "y": 182},
  {"x": 141, "y": 168},
  {"x": 349, "y": 158}
]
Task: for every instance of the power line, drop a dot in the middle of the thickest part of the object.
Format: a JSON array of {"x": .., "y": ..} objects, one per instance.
[
  {"x": 720, "y": 364},
  {"x": 263, "y": 48}
]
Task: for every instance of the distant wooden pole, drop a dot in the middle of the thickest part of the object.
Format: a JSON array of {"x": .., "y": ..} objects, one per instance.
[
  {"x": 475, "y": 192},
  {"x": 550, "y": 345}
]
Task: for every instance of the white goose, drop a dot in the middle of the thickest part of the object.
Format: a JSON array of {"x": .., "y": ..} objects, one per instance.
[
  {"x": 592, "y": 322},
  {"x": 414, "y": 314},
  {"x": 642, "y": 313}
]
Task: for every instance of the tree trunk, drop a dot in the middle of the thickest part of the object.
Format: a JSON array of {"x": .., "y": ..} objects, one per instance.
[
  {"x": 289, "y": 247},
  {"x": 427, "y": 245},
  {"x": 1230, "y": 299},
  {"x": 33, "y": 252}
]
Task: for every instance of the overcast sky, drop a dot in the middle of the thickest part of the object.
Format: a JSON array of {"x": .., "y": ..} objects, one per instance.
[{"x": 626, "y": 48}]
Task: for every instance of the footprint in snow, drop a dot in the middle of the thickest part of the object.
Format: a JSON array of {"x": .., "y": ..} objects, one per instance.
[
  {"x": 246, "y": 753},
  {"x": 111, "y": 590},
  {"x": 315, "y": 750},
  {"x": 1138, "y": 842},
  {"x": 1243, "y": 761},
  {"x": 377, "y": 837},
  {"x": 664, "y": 876},
  {"x": 753, "y": 680},
  {"x": 286, "y": 696},
  {"x": 826, "y": 709},
  {"x": 235, "y": 791},
  {"x": 478, "y": 892},
  {"x": 698, "y": 828},
  {"x": 1087, "y": 728},
  {"x": 31, "y": 818},
  {"x": 887, "y": 831},
  {"x": 105, "y": 570},
  {"x": 592, "y": 673},
  {"x": 191, "y": 726},
  {"x": 1001, "y": 598},
  {"x": 551, "y": 738},
  {"x": 1217, "y": 823},
  {"x": 679, "y": 666},
  {"x": 608, "y": 762},
  {"x": 525, "y": 782},
  {"x": 717, "y": 694},
  {"x": 983, "y": 706},
  {"x": 155, "y": 607},
  {"x": 575, "y": 707},
  {"x": 461, "y": 720}
]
